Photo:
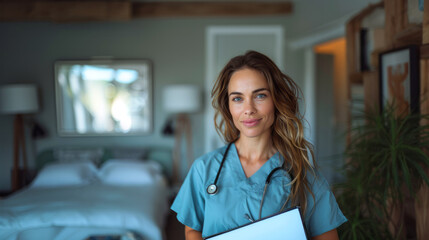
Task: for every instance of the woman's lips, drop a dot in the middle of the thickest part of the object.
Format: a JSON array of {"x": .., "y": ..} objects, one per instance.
[{"x": 251, "y": 122}]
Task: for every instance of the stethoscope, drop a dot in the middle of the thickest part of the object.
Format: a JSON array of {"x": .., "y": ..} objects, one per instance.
[{"x": 213, "y": 188}]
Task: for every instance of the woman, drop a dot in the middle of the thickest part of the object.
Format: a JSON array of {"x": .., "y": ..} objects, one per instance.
[{"x": 260, "y": 120}]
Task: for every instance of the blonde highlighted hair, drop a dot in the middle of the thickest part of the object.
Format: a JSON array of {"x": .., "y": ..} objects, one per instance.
[{"x": 287, "y": 129}]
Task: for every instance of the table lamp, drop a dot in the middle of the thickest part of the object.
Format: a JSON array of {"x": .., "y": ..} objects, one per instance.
[
  {"x": 18, "y": 99},
  {"x": 181, "y": 100}
]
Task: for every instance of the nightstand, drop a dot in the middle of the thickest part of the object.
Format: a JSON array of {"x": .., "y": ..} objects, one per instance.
[
  {"x": 25, "y": 177},
  {"x": 5, "y": 193},
  {"x": 174, "y": 229}
]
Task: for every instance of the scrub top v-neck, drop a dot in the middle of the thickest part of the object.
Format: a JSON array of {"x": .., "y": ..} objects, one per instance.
[{"x": 239, "y": 195}]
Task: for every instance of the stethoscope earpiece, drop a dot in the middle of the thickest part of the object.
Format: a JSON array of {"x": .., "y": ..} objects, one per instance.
[{"x": 212, "y": 189}]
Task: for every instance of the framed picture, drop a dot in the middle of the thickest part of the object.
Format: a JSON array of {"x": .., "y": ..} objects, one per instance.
[
  {"x": 399, "y": 76},
  {"x": 99, "y": 97}
]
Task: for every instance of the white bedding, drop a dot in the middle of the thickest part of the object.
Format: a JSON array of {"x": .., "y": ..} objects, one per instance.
[{"x": 44, "y": 211}]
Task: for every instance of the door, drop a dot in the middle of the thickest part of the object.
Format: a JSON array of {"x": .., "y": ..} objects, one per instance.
[{"x": 325, "y": 129}]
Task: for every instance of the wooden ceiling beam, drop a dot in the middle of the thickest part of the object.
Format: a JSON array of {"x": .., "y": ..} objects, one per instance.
[
  {"x": 191, "y": 9},
  {"x": 65, "y": 11},
  {"x": 107, "y": 10}
]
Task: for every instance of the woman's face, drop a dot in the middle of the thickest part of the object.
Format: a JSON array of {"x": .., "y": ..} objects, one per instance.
[{"x": 250, "y": 103}]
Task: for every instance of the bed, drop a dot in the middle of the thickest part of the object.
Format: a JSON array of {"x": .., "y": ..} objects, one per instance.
[{"x": 113, "y": 197}]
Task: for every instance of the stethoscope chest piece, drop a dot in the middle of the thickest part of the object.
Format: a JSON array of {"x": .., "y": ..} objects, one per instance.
[{"x": 212, "y": 189}]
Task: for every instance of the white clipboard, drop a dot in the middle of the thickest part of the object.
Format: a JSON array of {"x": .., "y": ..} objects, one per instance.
[{"x": 280, "y": 226}]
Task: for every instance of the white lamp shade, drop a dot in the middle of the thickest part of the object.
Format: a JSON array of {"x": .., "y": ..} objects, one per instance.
[
  {"x": 18, "y": 99},
  {"x": 183, "y": 98}
]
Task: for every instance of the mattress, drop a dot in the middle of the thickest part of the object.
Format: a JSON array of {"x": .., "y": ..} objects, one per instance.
[{"x": 77, "y": 212}]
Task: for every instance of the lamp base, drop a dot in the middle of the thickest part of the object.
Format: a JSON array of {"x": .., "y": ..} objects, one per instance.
[
  {"x": 183, "y": 128},
  {"x": 18, "y": 147}
]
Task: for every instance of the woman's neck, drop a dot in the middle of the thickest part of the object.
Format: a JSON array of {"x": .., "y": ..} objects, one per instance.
[{"x": 255, "y": 150}]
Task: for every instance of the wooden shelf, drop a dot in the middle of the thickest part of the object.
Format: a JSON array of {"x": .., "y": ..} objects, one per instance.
[
  {"x": 353, "y": 28},
  {"x": 412, "y": 35}
]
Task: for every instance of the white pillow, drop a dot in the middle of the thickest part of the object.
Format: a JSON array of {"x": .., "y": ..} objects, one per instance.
[
  {"x": 78, "y": 155},
  {"x": 128, "y": 172},
  {"x": 66, "y": 174}
]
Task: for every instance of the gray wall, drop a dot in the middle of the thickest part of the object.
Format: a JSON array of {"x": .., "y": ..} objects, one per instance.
[{"x": 176, "y": 48}]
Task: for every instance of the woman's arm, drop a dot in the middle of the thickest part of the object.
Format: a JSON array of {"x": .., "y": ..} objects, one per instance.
[
  {"x": 331, "y": 235},
  {"x": 191, "y": 234}
]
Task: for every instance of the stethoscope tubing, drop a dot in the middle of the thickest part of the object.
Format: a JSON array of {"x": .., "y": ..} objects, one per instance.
[
  {"x": 213, "y": 189},
  {"x": 221, "y": 164}
]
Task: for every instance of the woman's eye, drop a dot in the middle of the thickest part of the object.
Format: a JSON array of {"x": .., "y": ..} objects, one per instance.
[
  {"x": 261, "y": 96},
  {"x": 236, "y": 99}
]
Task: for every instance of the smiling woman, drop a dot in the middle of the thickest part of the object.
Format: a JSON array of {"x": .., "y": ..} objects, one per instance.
[
  {"x": 103, "y": 97},
  {"x": 259, "y": 116}
]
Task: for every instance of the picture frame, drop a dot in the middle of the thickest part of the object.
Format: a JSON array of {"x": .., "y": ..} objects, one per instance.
[
  {"x": 399, "y": 79},
  {"x": 104, "y": 97}
]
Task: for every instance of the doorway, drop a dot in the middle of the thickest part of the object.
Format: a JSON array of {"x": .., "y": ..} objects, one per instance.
[{"x": 331, "y": 112}]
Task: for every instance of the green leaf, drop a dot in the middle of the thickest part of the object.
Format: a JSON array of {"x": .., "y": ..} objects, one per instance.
[
  {"x": 407, "y": 175},
  {"x": 422, "y": 173}
]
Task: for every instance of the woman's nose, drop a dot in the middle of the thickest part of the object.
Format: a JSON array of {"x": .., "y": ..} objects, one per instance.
[{"x": 249, "y": 108}]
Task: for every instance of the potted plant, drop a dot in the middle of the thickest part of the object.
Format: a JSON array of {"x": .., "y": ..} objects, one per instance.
[{"x": 385, "y": 164}]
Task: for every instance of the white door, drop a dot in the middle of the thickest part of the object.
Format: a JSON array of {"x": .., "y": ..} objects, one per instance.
[
  {"x": 325, "y": 126},
  {"x": 224, "y": 43}
]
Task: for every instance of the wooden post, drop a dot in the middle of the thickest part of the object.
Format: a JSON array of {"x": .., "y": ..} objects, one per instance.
[
  {"x": 422, "y": 198},
  {"x": 426, "y": 23},
  {"x": 390, "y": 23},
  {"x": 395, "y": 22},
  {"x": 351, "y": 48},
  {"x": 371, "y": 85},
  {"x": 401, "y": 15},
  {"x": 354, "y": 75}
]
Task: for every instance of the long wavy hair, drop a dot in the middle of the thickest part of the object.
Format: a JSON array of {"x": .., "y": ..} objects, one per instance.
[{"x": 287, "y": 129}]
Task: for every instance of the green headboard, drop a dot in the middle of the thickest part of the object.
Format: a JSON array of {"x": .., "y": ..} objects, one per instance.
[{"x": 163, "y": 155}]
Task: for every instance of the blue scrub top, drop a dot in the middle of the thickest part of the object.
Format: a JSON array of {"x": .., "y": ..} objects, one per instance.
[{"x": 238, "y": 195}]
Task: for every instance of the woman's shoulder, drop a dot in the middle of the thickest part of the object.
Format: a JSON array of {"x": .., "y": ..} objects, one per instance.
[
  {"x": 212, "y": 157},
  {"x": 317, "y": 181}
]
